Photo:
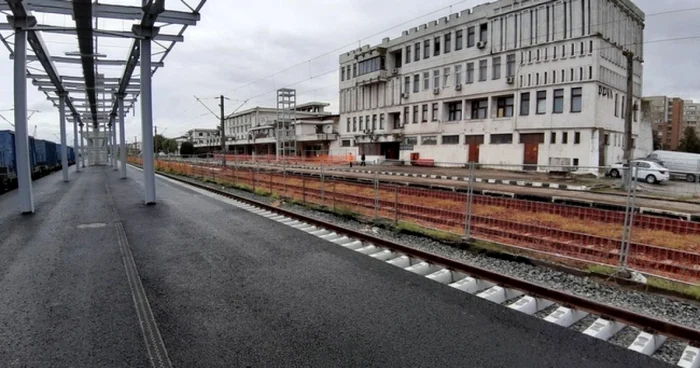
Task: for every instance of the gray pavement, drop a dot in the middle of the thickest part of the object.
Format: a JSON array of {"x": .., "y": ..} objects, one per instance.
[{"x": 231, "y": 289}]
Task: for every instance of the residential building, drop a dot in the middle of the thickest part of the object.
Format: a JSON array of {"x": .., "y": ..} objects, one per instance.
[
  {"x": 253, "y": 131},
  {"x": 534, "y": 82},
  {"x": 691, "y": 115},
  {"x": 668, "y": 119}
]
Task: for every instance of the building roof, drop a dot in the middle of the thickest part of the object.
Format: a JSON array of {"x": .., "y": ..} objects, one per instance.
[{"x": 300, "y": 109}]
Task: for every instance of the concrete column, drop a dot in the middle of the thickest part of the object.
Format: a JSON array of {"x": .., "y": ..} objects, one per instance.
[
  {"x": 24, "y": 170},
  {"x": 122, "y": 137},
  {"x": 75, "y": 142},
  {"x": 64, "y": 141},
  {"x": 147, "y": 123},
  {"x": 82, "y": 147},
  {"x": 108, "y": 142}
]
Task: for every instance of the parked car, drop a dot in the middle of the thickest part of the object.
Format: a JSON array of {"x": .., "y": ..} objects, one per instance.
[
  {"x": 650, "y": 171},
  {"x": 683, "y": 164}
]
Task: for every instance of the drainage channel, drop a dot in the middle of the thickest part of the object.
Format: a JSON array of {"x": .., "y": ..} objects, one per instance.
[{"x": 532, "y": 299}]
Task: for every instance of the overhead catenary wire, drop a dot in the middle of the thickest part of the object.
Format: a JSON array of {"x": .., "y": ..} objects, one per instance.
[
  {"x": 335, "y": 70},
  {"x": 425, "y": 15}
]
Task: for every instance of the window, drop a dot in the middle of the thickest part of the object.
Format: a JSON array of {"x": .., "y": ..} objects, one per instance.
[
  {"x": 408, "y": 54},
  {"x": 425, "y": 113},
  {"x": 406, "y": 84},
  {"x": 558, "y": 101},
  {"x": 415, "y": 114},
  {"x": 436, "y": 46},
  {"x": 342, "y": 73},
  {"x": 361, "y": 125},
  {"x": 370, "y": 65},
  {"x": 446, "y": 77},
  {"x": 346, "y": 143},
  {"x": 458, "y": 74},
  {"x": 606, "y": 139},
  {"x": 483, "y": 32},
  {"x": 504, "y": 107},
  {"x": 436, "y": 79},
  {"x": 435, "y": 112},
  {"x": 471, "y": 36},
  {"x": 577, "y": 137},
  {"x": 470, "y": 73},
  {"x": 576, "y": 99},
  {"x": 458, "y": 40},
  {"x": 565, "y": 137},
  {"x": 406, "y": 112},
  {"x": 541, "y": 102},
  {"x": 428, "y": 140},
  {"x": 545, "y": 77},
  {"x": 381, "y": 122},
  {"x": 354, "y": 124},
  {"x": 482, "y": 70},
  {"x": 525, "y": 103},
  {"x": 426, "y": 81},
  {"x": 450, "y": 139},
  {"x": 348, "y": 126},
  {"x": 480, "y": 108},
  {"x": 448, "y": 42},
  {"x": 510, "y": 65},
  {"x": 416, "y": 53},
  {"x": 454, "y": 111},
  {"x": 501, "y": 138},
  {"x": 416, "y": 83},
  {"x": 575, "y": 162},
  {"x": 410, "y": 141},
  {"x": 496, "y": 68},
  {"x": 374, "y": 122},
  {"x": 426, "y": 49},
  {"x": 354, "y": 70},
  {"x": 553, "y": 138},
  {"x": 616, "y": 103}
]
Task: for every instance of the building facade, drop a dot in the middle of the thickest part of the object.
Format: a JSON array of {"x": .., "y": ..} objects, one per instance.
[
  {"x": 204, "y": 139},
  {"x": 515, "y": 82},
  {"x": 670, "y": 117},
  {"x": 253, "y": 131}
]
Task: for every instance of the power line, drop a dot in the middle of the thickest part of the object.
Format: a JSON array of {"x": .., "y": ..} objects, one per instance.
[
  {"x": 347, "y": 45},
  {"x": 436, "y": 11}
]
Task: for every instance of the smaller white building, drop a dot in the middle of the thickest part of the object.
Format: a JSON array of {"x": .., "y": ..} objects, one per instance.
[{"x": 204, "y": 138}]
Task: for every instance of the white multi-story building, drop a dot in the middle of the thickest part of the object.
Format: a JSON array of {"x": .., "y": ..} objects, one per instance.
[
  {"x": 509, "y": 82},
  {"x": 204, "y": 138},
  {"x": 253, "y": 131}
]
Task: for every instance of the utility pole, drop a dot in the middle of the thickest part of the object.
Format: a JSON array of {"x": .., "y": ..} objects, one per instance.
[
  {"x": 629, "y": 149},
  {"x": 223, "y": 134}
]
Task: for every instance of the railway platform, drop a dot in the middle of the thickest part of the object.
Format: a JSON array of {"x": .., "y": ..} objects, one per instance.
[{"x": 93, "y": 271}]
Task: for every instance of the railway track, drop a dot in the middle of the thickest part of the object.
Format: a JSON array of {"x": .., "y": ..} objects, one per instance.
[
  {"x": 554, "y": 306},
  {"x": 663, "y": 261}
]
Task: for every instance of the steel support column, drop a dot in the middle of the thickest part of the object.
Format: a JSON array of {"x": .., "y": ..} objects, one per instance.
[
  {"x": 82, "y": 147},
  {"x": 64, "y": 141},
  {"x": 147, "y": 122},
  {"x": 75, "y": 143},
  {"x": 24, "y": 171},
  {"x": 122, "y": 136}
]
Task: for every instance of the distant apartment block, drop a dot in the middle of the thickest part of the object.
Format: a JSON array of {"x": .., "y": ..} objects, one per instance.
[
  {"x": 670, "y": 116},
  {"x": 508, "y": 82}
]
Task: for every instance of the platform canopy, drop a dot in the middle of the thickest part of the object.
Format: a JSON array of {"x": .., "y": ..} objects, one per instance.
[{"x": 90, "y": 49}]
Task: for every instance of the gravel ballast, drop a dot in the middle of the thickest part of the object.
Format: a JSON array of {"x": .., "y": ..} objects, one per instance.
[{"x": 666, "y": 308}]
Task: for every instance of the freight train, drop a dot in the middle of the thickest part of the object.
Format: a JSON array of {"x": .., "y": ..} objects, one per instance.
[{"x": 44, "y": 158}]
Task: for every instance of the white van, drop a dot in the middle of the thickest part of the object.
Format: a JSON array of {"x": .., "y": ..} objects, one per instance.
[{"x": 683, "y": 164}]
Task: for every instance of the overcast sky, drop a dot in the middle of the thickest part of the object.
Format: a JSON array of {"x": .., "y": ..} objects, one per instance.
[{"x": 239, "y": 42}]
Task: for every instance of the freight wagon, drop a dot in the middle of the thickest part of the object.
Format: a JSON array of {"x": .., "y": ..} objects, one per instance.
[{"x": 44, "y": 158}]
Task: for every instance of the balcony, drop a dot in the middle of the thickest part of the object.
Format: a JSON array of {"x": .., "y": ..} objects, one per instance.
[{"x": 379, "y": 76}]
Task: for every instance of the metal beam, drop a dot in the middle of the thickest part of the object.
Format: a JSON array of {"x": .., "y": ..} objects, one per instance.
[
  {"x": 74, "y": 78},
  {"x": 106, "y": 33},
  {"x": 110, "y": 11},
  {"x": 82, "y": 84},
  {"x": 70, "y": 60}
]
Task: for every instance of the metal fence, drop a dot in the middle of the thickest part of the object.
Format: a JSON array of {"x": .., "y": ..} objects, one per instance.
[{"x": 663, "y": 246}]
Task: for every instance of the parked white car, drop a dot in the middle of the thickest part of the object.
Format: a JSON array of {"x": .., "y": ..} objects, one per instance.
[{"x": 649, "y": 171}]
